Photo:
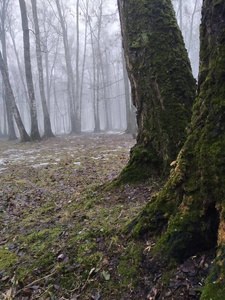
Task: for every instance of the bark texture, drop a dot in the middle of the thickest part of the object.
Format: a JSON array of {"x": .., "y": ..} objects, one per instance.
[
  {"x": 163, "y": 88},
  {"x": 74, "y": 103},
  {"x": 47, "y": 123},
  {"x": 4, "y": 71},
  {"x": 35, "y": 135},
  {"x": 188, "y": 214},
  {"x": 3, "y": 17}
]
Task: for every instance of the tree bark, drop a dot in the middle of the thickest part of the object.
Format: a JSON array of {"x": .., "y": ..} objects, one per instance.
[
  {"x": 19, "y": 65},
  {"x": 127, "y": 97},
  {"x": 107, "y": 92},
  {"x": 86, "y": 14},
  {"x": 96, "y": 117},
  {"x": 3, "y": 13},
  {"x": 77, "y": 93},
  {"x": 74, "y": 114},
  {"x": 162, "y": 84},
  {"x": 23, "y": 134},
  {"x": 191, "y": 205},
  {"x": 47, "y": 123},
  {"x": 98, "y": 69},
  {"x": 35, "y": 135}
]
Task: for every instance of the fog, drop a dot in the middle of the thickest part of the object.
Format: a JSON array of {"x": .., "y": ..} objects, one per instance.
[{"x": 80, "y": 61}]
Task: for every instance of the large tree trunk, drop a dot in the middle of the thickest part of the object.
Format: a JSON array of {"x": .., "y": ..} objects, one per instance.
[
  {"x": 191, "y": 206},
  {"x": 23, "y": 134},
  {"x": 47, "y": 123},
  {"x": 163, "y": 88},
  {"x": 29, "y": 78}
]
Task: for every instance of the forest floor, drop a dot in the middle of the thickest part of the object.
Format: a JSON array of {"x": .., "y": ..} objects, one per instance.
[{"x": 60, "y": 228}]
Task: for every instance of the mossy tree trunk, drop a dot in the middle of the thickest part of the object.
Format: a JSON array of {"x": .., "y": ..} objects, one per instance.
[
  {"x": 163, "y": 88},
  {"x": 188, "y": 214}
]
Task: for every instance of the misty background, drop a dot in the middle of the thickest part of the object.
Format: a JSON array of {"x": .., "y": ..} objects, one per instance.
[{"x": 83, "y": 64}]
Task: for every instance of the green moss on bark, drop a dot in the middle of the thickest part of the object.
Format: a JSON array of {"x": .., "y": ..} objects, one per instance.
[
  {"x": 163, "y": 88},
  {"x": 188, "y": 215},
  {"x": 215, "y": 285}
]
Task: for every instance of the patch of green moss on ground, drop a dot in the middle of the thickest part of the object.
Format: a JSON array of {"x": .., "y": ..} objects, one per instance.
[
  {"x": 129, "y": 265},
  {"x": 7, "y": 258}
]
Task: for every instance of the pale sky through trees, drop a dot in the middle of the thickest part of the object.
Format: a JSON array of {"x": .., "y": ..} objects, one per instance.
[{"x": 98, "y": 77}]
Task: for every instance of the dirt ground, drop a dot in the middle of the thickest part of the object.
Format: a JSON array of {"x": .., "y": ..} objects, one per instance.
[{"x": 61, "y": 227}]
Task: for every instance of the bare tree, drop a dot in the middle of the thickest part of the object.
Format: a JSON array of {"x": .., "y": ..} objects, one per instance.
[
  {"x": 35, "y": 135},
  {"x": 3, "y": 15},
  {"x": 47, "y": 124},
  {"x": 23, "y": 134},
  {"x": 85, "y": 10},
  {"x": 74, "y": 114},
  {"x": 77, "y": 93},
  {"x": 192, "y": 25}
]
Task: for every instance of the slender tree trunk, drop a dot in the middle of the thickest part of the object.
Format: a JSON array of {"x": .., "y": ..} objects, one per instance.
[
  {"x": 47, "y": 123},
  {"x": 107, "y": 102},
  {"x": 46, "y": 57},
  {"x": 162, "y": 84},
  {"x": 77, "y": 94},
  {"x": 3, "y": 15},
  {"x": 23, "y": 134},
  {"x": 5, "y": 117},
  {"x": 84, "y": 57},
  {"x": 35, "y": 135},
  {"x": 19, "y": 66},
  {"x": 127, "y": 97},
  {"x": 192, "y": 24},
  {"x": 96, "y": 123},
  {"x": 70, "y": 76},
  {"x": 104, "y": 95}
]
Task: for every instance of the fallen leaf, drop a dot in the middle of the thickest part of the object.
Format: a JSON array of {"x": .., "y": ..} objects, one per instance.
[
  {"x": 106, "y": 275},
  {"x": 105, "y": 262}
]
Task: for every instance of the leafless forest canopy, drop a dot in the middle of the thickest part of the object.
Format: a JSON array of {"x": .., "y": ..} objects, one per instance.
[{"x": 76, "y": 61}]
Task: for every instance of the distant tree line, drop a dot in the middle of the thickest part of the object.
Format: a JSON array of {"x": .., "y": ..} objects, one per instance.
[{"x": 62, "y": 67}]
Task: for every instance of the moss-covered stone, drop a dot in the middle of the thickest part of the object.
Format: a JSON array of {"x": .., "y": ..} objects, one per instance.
[{"x": 163, "y": 88}]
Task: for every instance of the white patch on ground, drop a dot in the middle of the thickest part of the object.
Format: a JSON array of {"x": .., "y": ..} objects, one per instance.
[
  {"x": 114, "y": 132},
  {"x": 100, "y": 157},
  {"x": 77, "y": 163},
  {"x": 2, "y": 161},
  {"x": 43, "y": 164},
  {"x": 2, "y": 169}
]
